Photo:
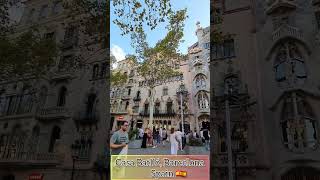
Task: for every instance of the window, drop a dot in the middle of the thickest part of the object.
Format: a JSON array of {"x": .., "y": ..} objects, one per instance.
[
  {"x": 289, "y": 63},
  {"x": 57, "y": 7},
  {"x": 43, "y": 12},
  {"x": 34, "y": 140},
  {"x": 165, "y": 91},
  {"x": 169, "y": 107},
  {"x": 200, "y": 81},
  {"x": 298, "y": 126},
  {"x": 317, "y": 14},
  {"x": 224, "y": 50},
  {"x": 103, "y": 70},
  {"x": 157, "y": 108},
  {"x": 55, "y": 135},
  {"x": 206, "y": 45},
  {"x": 43, "y": 96},
  {"x": 62, "y": 96},
  {"x": 129, "y": 92},
  {"x": 203, "y": 100},
  {"x": 233, "y": 84},
  {"x": 127, "y": 105},
  {"x": 90, "y": 106}
]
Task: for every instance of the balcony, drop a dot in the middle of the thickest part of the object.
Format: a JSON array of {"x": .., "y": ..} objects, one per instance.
[
  {"x": 137, "y": 98},
  {"x": 86, "y": 118},
  {"x": 204, "y": 110},
  {"x": 244, "y": 159},
  {"x": 126, "y": 97},
  {"x": 29, "y": 159},
  {"x": 119, "y": 111},
  {"x": 53, "y": 113},
  {"x": 285, "y": 31},
  {"x": 61, "y": 75},
  {"x": 200, "y": 71},
  {"x": 158, "y": 113},
  {"x": 280, "y": 6}
]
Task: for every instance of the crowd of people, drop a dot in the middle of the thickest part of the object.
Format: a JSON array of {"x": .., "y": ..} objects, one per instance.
[{"x": 156, "y": 137}]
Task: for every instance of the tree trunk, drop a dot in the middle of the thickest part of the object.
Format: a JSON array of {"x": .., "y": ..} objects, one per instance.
[{"x": 150, "y": 125}]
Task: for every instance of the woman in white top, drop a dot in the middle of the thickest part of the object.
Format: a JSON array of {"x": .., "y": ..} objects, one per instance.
[{"x": 173, "y": 142}]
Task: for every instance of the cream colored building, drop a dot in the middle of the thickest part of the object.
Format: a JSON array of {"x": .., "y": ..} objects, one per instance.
[
  {"x": 271, "y": 62},
  {"x": 130, "y": 102},
  {"x": 46, "y": 120}
]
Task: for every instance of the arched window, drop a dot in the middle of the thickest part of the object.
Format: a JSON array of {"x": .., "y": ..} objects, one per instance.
[
  {"x": 34, "y": 139},
  {"x": 62, "y": 96},
  {"x": 157, "y": 107},
  {"x": 298, "y": 124},
  {"x": 55, "y": 135},
  {"x": 203, "y": 100},
  {"x": 43, "y": 96},
  {"x": 232, "y": 84},
  {"x": 95, "y": 71},
  {"x": 200, "y": 81},
  {"x": 170, "y": 106},
  {"x": 289, "y": 62},
  {"x": 138, "y": 94},
  {"x": 90, "y": 106},
  {"x": 127, "y": 105}
]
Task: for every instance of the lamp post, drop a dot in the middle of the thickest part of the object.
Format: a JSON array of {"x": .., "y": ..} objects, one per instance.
[
  {"x": 182, "y": 91},
  {"x": 74, "y": 154}
]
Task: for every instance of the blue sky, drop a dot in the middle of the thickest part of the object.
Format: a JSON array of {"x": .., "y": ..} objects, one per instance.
[{"x": 197, "y": 10}]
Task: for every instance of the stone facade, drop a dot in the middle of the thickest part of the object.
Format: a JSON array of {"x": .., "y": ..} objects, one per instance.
[
  {"x": 46, "y": 120},
  {"x": 271, "y": 68},
  {"x": 130, "y": 102}
]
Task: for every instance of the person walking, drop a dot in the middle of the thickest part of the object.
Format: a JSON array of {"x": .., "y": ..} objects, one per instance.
[
  {"x": 155, "y": 138},
  {"x": 174, "y": 144},
  {"x": 119, "y": 146},
  {"x": 144, "y": 139},
  {"x": 179, "y": 135},
  {"x": 160, "y": 136},
  {"x": 119, "y": 140},
  {"x": 206, "y": 137},
  {"x": 164, "y": 135}
]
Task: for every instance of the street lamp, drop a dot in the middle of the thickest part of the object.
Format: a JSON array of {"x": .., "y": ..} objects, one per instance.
[
  {"x": 74, "y": 154},
  {"x": 182, "y": 91}
]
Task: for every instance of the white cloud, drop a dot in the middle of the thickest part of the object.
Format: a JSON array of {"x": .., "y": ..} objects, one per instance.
[{"x": 118, "y": 52}]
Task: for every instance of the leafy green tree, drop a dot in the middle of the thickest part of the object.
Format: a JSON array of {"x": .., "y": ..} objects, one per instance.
[{"x": 158, "y": 63}]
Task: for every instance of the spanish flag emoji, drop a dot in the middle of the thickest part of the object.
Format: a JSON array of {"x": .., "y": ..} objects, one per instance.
[{"x": 181, "y": 173}]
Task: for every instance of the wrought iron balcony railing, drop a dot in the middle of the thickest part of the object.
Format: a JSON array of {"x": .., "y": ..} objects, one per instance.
[
  {"x": 87, "y": 118},
  {"x": 158, "y": 113},
  {"x": 29, "y": 158}
]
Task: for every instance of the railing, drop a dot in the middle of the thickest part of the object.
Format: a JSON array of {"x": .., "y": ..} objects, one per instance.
[
  {"x": 87, "y": 118},
  {"x": 157, "y": 113},
  {"x": 53, "y": 112},
  {"x": 204, "y": 110},
  {"x": 126, "y": 97},
  {"x": 201, "y": 71},
  {"x": 286, "y": 30},
  {"x": 243, "y": 159},
  {"x": 30, "y": 158},
  {"x": 137, "y": 98}
]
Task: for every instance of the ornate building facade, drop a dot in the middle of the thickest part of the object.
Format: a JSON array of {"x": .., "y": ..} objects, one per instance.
[
  {"x": 266, "y": 69},
  {"x": 130, "y": 101},
  {"x": 51, "y": 122}
]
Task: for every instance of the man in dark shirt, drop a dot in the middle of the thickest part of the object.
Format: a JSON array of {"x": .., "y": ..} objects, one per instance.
[{"x": 119, "y": 139}]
